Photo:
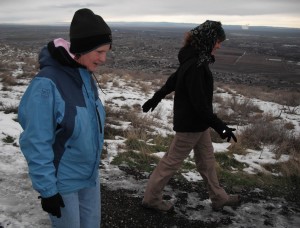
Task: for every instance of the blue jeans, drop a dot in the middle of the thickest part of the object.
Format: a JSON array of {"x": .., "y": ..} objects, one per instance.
[{"x": 82, "y": 209}]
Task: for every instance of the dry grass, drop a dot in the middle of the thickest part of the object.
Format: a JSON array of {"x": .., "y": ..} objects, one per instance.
[
  {"x": 103, "y": 79},
  {"x": 291, "y": 167},
  {"x": 280, "y": 96},
  {"x": 235, "y": 111},
  {"x": 237, "y": 148},
  {"x": 288, "y": 169},
  {"x": 145, "y": 87},
  {"x": 8, "y": 80},
  {"x": 30, "y": 68},
  {"x": 267, "y": 132},
  {"x": 139, "y": 123}
]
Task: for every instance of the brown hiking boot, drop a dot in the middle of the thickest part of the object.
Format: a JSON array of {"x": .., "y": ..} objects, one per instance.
[
  {"x": 162, "y": 206},
  {"x": 233, "y": 200}
]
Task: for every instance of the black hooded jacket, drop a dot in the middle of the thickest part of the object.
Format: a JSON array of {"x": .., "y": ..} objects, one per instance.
[{"x": 193, "y": 86}]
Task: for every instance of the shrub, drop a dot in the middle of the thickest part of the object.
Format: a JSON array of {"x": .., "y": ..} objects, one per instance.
[
  {"x": 266, "y": 132},
  {"x": 9, "y": 80},
  {"x": 234, "y": 110}
]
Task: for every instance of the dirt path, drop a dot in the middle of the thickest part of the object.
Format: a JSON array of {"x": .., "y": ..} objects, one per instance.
[
  {"x": 121, "y": 207},
  {"x": 121, "y": 210}
]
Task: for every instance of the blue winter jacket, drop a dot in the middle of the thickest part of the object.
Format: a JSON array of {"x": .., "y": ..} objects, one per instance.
[{"x": 63, "y": 122}]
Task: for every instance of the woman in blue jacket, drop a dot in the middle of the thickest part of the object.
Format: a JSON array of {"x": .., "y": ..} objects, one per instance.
[{"x": 63, "y": 121}]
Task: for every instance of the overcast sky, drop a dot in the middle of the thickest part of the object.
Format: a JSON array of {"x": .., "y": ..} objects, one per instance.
[{"x": 279, "y": 13}]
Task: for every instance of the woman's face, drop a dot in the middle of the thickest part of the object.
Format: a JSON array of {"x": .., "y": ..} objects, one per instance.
[
  {"x": 217, "y": 46},
  {"x": 95, "y": 58}
]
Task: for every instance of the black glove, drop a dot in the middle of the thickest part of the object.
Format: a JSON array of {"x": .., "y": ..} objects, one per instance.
[
  {"x": 228, "y": 133},
  {"x": 150, "y": 104},
  {"x": 52, "y": 204}
]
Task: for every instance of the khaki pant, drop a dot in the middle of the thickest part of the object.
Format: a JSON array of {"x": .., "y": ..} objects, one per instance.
[{"x": 179, "y": 150}]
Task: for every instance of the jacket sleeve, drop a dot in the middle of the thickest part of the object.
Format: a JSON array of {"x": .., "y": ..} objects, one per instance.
[
  {"x": 171, "y": 82},
  {"x": 37, "y": 118},
  {"x": 196, "y": 84},
  {"x": 167, "y": 88}
]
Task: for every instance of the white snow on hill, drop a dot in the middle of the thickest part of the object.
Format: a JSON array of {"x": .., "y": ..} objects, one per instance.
[{"x": 19, "y": 204}]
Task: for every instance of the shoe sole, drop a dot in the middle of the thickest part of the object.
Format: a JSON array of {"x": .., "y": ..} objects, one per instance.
[{"x": 158, "y": 210}]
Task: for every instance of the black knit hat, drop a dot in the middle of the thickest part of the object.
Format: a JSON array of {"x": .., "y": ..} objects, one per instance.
[{"x": 88, "y": 31}]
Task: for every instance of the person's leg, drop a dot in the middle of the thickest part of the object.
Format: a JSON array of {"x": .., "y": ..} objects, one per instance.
[
  {"x": 69, "y": 214},
  {"x": 205, "y": 162},
  {"x": 180, "y": 148},
  {"x": 90, "y": 206}
]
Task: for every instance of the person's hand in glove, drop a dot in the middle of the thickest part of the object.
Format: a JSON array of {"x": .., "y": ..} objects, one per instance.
[
  {"x": 228, "y": 133},
  {"x": 53, "y": 204},
  {"x": 150, "y": 104}
]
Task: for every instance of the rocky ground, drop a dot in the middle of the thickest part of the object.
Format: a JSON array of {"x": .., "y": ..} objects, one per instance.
[{"x": 122, "y": 208}]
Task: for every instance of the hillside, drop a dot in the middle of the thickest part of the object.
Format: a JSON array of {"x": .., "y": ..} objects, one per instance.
[{"x": 263, "y": 105}]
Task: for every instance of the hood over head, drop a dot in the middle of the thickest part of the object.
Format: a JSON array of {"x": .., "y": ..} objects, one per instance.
[{"x": 204, "y": 37}]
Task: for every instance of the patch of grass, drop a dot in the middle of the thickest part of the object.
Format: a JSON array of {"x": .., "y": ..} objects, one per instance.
[
  {"x": 135, "y": 144},
  {"x": 158, "y": 148},
  {"x": 260, "y": 132},
  {"x": 8, "y": 139},
  {"x": 267, "y": 132},
  {"x": 274, "y": 186},
  {"x": 110, "y": 132},
  {"x": 237, "y": 179},
  {"x": 237, "y": 148},
  {"x": 139, "y": 147},
  {"x": 9, "y": 80},
  {"x": 287, "y": 169},
  {"x": 145, "y": 87},
  {"x": 273, "y": 168},
  {"x": 139, "y": 160},
  {"x": 137, "y": 139},
  {"x": 236, "y": 110},
  {"x": 162, "y": 143},
  {"x": 280, "y": 96},
  {"x": 142, "y": 123},
  {"x": 229, "y": 163},
  {"x": 187, "y": 166}
]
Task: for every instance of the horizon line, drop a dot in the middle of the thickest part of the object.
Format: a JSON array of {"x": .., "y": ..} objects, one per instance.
[{"x": 144, "y": 22}]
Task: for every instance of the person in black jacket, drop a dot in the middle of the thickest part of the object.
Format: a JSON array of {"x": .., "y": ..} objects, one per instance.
[{"x": 193, "y": 116}]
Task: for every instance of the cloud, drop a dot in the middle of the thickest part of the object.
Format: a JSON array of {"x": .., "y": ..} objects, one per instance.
[
  {"x": 57, "y": 11},
  {"x": 223, "y": 7}
]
